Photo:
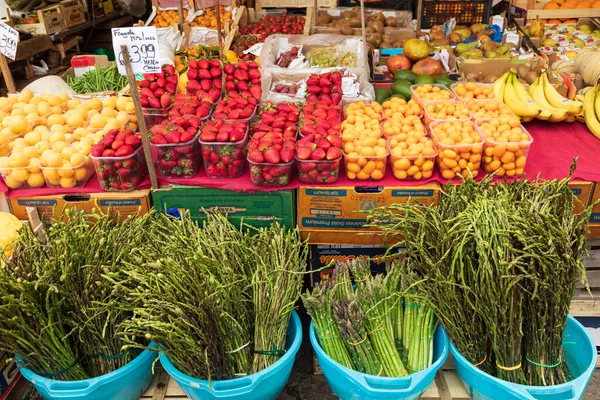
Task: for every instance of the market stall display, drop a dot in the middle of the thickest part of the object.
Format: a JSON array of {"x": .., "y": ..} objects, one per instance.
[{"x": 452, "y": 145}]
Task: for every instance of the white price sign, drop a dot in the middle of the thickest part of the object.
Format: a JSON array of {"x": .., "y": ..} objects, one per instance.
[
  {"x": 142, "y": 45},
  {"x": 9, "y": 38}
]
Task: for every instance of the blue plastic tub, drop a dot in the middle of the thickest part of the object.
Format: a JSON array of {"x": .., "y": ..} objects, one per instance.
[
  {"x": 580, "y": 353},
  {"x": 348, "y": 384},
  {"x": 126, "y": 383},
  {"x": 263, "y": 385}
]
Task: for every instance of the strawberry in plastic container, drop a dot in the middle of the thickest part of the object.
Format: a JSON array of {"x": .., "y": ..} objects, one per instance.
[
  {"x": 271, "y": 157},
  {"x": 204, "y": 75},
  {"x": 326, "y": 87},
  {"x": 236, "y": 106},
  {"x": 223, "y": 147},
  {"x": 243, "y": 77},
  {"x": 176, "y": 146},
  {"x": 277, "y": 117},
  {"x": 157, "y": 90},
  {"x": 119, "y": 160},
  {"x": 319, "y": 158}
]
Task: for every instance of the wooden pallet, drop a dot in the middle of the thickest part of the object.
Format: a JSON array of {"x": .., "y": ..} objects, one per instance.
[{"x": 447, "y": 386}]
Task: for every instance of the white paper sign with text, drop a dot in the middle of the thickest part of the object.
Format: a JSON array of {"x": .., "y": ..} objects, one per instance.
[
  {"x": 9, "y": 38},
  {"x": 142, "y": 45}
]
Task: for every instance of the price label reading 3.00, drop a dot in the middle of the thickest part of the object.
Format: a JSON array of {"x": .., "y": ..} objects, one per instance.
[
  {"x": 9, "y": 38},
  {"x": 142, "y": 45}
]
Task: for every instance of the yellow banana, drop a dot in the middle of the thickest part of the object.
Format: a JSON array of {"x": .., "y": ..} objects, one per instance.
[
  {"x": 597, "y": 102},
  {"x": 591, "y": 119},
  {"x": 499, "y": 85},
  {"x": 557, "y": 100},
  {"x": 536, "y": 90},
  {"x": 513, "y": 101}
]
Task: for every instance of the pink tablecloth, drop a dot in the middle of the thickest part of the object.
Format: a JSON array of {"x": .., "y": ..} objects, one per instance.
[{"x": 551, "y": 154}]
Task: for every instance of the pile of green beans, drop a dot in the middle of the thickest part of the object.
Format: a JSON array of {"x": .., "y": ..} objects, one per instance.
[{"x": 98, "y": 80}]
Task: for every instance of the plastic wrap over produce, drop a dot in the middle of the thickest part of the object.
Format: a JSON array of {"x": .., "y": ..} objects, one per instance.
[
  {"x": 289, "y": 85},
  {"x": 169, "y": 40},
  {"x": 321, "y": 51},
  {"x": 49, "y": 85}
]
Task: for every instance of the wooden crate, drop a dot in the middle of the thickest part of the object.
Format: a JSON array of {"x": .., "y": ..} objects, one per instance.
[
  {"x": 260, "y": 4},
  {"x": 54, "y": 22},
  {"x": 535, "y": 10},
  {"x": 74, "y": 12},
  {"x": 247, "y": 15},
  {"x": 404, "y": 16}
]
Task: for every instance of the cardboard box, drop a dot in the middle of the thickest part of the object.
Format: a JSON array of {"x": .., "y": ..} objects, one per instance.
[
  {"x": 108, "y": 6},
  {"x": 74, "y": 12},
  {"x": 595, "y": 217},
  {"x": 4, "y": 203},
  {"x": 51, "y": 20},
  {"x": 96, "y": 7},
  {"x": 258, "y": 209},
  {"x": 583, "y": 191},
  {"x": 330, "y": 215},
  {"x": 9, "y": 375},
  {"x": 322, "y": 255},
  {"x": 49, "y": 207},
  {"x": 24, "y": 390},
  {"x": 100, "y": 61}
]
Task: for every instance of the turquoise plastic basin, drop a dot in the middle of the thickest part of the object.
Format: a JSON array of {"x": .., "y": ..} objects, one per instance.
[
  {"x": 580, "y": 353},
  {"x": 126, "y": 383},
  {"x": 263, "y": 385},
  {"x": 348, "y": 384}
]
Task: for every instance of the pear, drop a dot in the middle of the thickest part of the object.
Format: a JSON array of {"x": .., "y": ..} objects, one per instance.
[{"x": 579, "y": 43}]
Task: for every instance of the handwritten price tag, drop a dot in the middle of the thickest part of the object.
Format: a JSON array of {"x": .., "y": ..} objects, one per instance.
[
  {"x": 142, "y": 44},
  {"x": 9, "y": 38}
]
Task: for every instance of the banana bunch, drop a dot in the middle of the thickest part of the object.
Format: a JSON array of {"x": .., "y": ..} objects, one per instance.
[
  {"x": 541, "y": 101},
  {"x": 591, "y": 111}
]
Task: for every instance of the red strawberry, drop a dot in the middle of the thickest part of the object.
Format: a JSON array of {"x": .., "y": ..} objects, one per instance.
[
  {"x": 171, "y": 88},
  {"x": 169, "y": 69},
  {"x": 336, "y": 98},
  {"x": 172, "y": 137},
  {"x": 333, "y": 153},
  {"x": 206, "y": 84},
  {"x": 215, "y": 72},
  {"x": 154, "y": 103},
  {"x": 242, "y": 65},
  {"x": 193, "y": 86},
  {"x": 97, "y": 150},
  {"x": 167, "y": 165},
  {"x": 233, "y": 171},
  {"x": 318, "y": 154},
  {"x": 286, "y": 155},
  {"x": 203, "y": 64},
  {"x": 254, "y": 74},
  {"x": 256, "y": 156},
  {"x": 229, "y": 69},
  {"x": 158, "y": 139},
  {"x": 124, "y": 173},
  {"x": 272, "y": 156},
  {"x": 133, "y": 141},
  {"x": 256, "y": 92},
  {"x": 165, "y": 100},
  {"x": 108, "y": 153}
]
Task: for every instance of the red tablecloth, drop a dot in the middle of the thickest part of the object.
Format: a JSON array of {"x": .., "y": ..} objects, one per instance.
[{"x": 552, "y": 152}]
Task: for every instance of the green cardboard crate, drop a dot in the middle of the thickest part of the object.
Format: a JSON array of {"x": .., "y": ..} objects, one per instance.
[{"x": 258, "y": 209}]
